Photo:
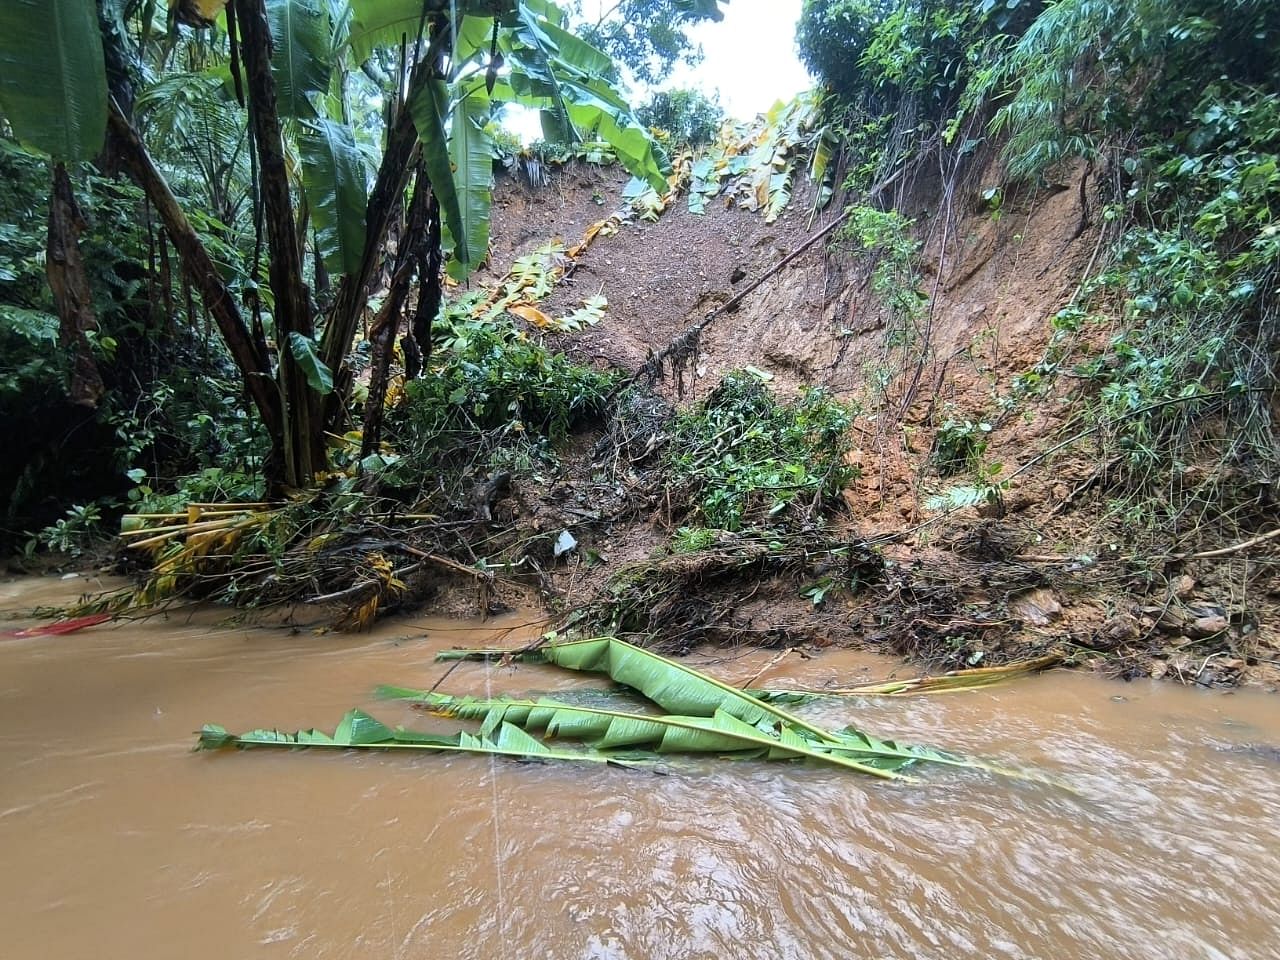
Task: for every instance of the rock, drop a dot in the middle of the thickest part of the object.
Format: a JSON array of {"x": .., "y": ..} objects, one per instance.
[
  {"x": 1170, "y": 619},
  {"x": 1204, "y": 627},
  {"x": 1182, "y": 586},
  {"x": 1123, "y": 628},
  {"x": 1039, "y": 608}
]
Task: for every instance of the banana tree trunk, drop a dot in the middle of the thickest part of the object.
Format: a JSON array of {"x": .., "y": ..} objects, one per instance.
[
  {"x": 353, "y": 290},
  {"x": 70, "y": 285},
  {"x": 301, "y": 427},
  {"x": 409, "y": 255}
]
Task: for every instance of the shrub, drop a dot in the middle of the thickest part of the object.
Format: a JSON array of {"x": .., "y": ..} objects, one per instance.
[
  {"x": 494, "y": 388},
  {"x": 745, "y": 458}
]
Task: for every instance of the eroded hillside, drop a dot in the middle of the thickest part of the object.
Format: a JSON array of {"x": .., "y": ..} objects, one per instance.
[{"x": 989, "y": 510}]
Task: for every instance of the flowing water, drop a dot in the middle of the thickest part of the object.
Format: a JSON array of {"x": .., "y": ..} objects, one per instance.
[{"x": 118, "y": 842}]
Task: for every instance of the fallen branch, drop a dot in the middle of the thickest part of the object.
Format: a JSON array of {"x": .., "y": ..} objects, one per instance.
[
  {"x": 1170, "y": 558},
  {"x": 767, "y": 667}
]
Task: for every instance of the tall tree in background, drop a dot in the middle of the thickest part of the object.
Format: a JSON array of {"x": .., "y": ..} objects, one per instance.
[{"x": 648, "y": 36}]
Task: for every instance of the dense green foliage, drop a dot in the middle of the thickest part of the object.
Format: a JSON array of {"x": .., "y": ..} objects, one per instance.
[
  {"x": 688, "y": 117},
  {"x": 833, "y": 36},
  {"x": 1168, "y": 108},
  {"x": 746, "y": 458},
  {"x": 173, "y": 403},
  {"x": 495, "y": 399},
  {"x": 219, "y": 373}
]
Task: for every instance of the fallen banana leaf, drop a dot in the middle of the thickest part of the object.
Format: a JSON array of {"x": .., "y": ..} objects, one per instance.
[
  {"x": 589, "y": 716},
  {"x": 722, "y": 732},
  {"x": 674, "y": 687},
  {"x": 358, "y": 730},
  {"x": 951, "y": 682}
]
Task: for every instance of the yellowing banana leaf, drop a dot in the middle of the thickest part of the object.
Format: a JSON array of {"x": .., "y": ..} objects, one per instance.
[
  {"x": 358, "y": 730},
  {"x": 532, "y": 314},
  {"x": 954, "y": 681},
  {"x": 721, "y": 732},
  {"x": 673, "y": 686}
]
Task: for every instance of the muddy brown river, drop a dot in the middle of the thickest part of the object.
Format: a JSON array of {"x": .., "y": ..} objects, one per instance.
[{"x": 118, "y": 842}]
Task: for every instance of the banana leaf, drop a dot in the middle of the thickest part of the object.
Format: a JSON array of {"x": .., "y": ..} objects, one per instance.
[
  {"x": 674, "y": 687},
  {"x": 300, "y": 58},
  {"x": 721, "y": 733},
  {"x": 429, "y": 106},
  {"x": 53, "y": 84},
  {"x": 333, "y": 179},
  {"x": 953, "y": 681},
  {"x": 358, "y": 730},
  {"x": 471, "y": 154}
]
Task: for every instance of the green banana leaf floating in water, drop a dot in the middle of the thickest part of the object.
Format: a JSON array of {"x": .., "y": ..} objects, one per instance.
[
  {"x": 358, "y": 730},
  {"x": 683, "y": 690},
  {"x": 602, "y": 729},
  {"x": 676, "y": 688},
  {"x": 705, "y": 716}
]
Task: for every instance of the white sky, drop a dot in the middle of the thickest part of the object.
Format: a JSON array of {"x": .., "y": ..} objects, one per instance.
[
  {"x": 750, "y": 57},
  {"x": 750, "y": 61}
]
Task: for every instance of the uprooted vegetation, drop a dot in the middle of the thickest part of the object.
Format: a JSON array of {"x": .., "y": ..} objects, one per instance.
[{"x": 702, "y": 716}]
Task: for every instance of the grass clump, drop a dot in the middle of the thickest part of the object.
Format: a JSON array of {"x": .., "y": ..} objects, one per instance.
[{"x": 746, "y": 459}]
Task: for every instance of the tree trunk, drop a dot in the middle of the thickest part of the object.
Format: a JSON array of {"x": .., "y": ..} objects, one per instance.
[
  {"x": 429, "y": 290},
  {"x": 302, "y": 430},
  {"x": 119, "y": 85},
  {"x": 383, "y": 334},
  {"x": 70, "y": 286},
  {"x": 199, "y": 271},
  {"x": 393, "y": 176}
]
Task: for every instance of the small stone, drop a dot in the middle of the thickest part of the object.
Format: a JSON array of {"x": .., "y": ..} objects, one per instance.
[
  {"x": 1038, "y": 608},
  {"x": 1170, "y": 619},
  {"x": 1204, "y": 627},
  {"x": 1123, "y": 628}
]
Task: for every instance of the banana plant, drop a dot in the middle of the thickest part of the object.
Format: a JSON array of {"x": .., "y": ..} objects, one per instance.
[
  {"x": 53, "y": 80},
  {"x": 459, "y": 60}
]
